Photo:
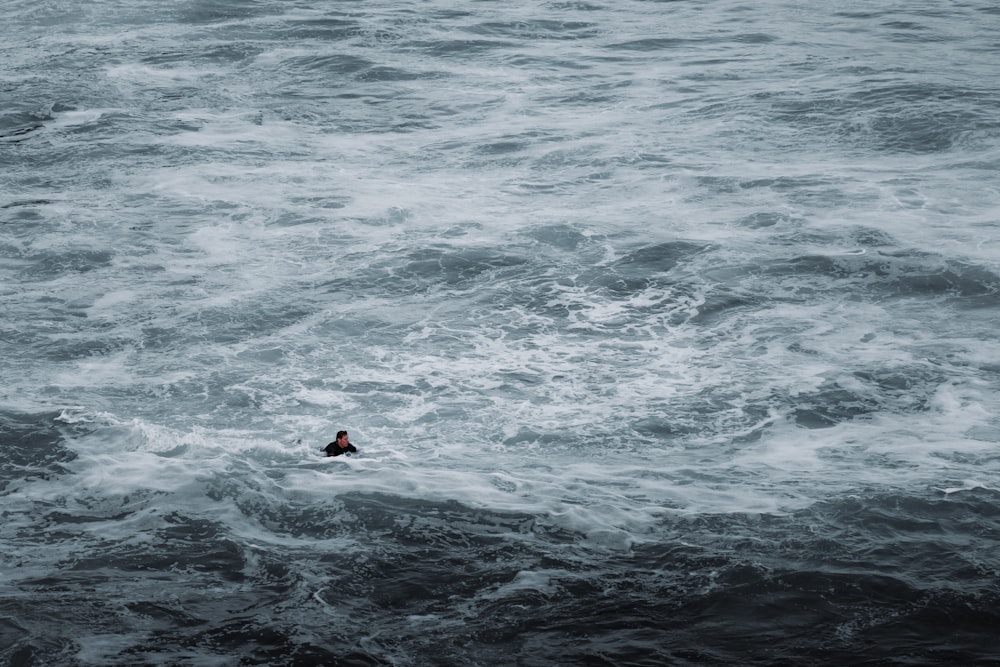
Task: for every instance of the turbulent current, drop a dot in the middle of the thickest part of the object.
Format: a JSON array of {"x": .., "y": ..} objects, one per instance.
[{"x": 669, "y": 332}]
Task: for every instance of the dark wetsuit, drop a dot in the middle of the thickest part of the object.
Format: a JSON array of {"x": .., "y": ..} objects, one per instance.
[{"x": 333, "y": 449}]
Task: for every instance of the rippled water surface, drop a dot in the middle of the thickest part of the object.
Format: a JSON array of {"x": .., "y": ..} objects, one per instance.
[{"x": 667, "y": 332}]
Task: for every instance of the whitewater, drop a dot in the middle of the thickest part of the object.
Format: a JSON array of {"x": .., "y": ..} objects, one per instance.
[{"x": 668, "y": 332}]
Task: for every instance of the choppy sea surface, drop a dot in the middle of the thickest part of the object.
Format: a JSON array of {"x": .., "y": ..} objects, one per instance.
[{"x": 669, "y": 332}]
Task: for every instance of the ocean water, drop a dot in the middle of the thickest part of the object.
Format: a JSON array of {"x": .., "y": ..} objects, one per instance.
[{"x": 668, "y": 332}]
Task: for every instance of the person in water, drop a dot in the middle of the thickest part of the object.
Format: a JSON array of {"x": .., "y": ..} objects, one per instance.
[{"x": 340, "y": 445}]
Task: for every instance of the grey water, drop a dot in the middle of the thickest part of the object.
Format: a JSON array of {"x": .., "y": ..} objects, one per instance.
[{"x": 668, "y": 332}]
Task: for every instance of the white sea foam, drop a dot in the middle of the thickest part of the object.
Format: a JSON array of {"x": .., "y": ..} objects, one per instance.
[{"x": 452, "y": 379}]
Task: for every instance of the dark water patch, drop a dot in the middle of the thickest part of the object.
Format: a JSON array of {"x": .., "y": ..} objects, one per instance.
[
  {"x": 31, "y": 447},
  {"x": 904, "y": 25},
  {"x": 163, "y": 616},
  {"x": 661, "y": 427},
  {"x": 549, "y": 440},
  {"x": 814, "y": 191},
  {"x": 719, "y": 411},
  {"x": 537, "y": 29},
  {"x": 57, "y": 518},
  {"x": 501, "y": 147},
  {"x": 453, "y": 267},
  {"x": 895, "y": 390},
  {"x": 829, "y": 619},
  {"x": 898, "y": 274},
  {"x": 619, "y": 286},
  {"x": 331, "y": 28},
  {"x": 75, "y": 345},
  {"x": 433, "y": 558},
  {"x": 940, "y": 541},
  {"x": 203, "y": 12},
  {"x": 362, "y": 326},
  {"x": 211, "y": 53},
  {"x": 541, "y": 291},
  {"x": 369, "y": 108},
  {"x": 20, "y": 221},
  {"x": 384, "y": 73},
  {"x": 660, "y": 258},
  {"x": 296, "y": 218},
  {"x": 18, "y": 203},
  {"x": 868, "y": 237},
  {"x": 177, "y": 612},
  {"x": 161, "y": 337},
  {"x": 577, "y": 6},
  {"x": 299, "y": 520},
  {"x": 448, "y": 523},
  {"x": 754, "y": 38},
  {"x": 550, "y": 629},
  {"x": 50, "y": 265},
  {"x": 10, "y": 632},
  {"x": 182, "y": 544},
  {"x": 258, "y": 643},
  {"x": 548, "y": 65},
  {"x": 450, "y": 13},
  {"x": 974, "y": 285},
  {"x": 916, "y": 132},
  {"x": 897, "y": 118},
  {"x": 15, "y": 125},
  {"x": 245, "y": 322},
  {"x": 831, "y": 580},
  {"x": 911, "y": 32},
  {"x": 749, "y": 601},
  {"x": 764, "y": 219},
  {"x": 337, "y": 64},
  {"x": 861, "y": 15},
  {"x": 16, "y": 134},
  {"x": 288, "y": 219},
  {"x": 646, "y": 161},
  {"x": 463, "y": 47},
  {"x": 640, "y": 269},
  {"x": 902, "y": 380},
  {"x": 889, "y": 389},
  {"x": 869, "y": 577},
  {"x": 53, "y": 648},
  {"x": 829, "y": 406},
  {"x": 780, "y": 184},
  {"x": 511, "y": 150},
  {"x": 653, "y": 44},
  {"x": 716, "y": 304},
  {"x": 563, "y": 237}
]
